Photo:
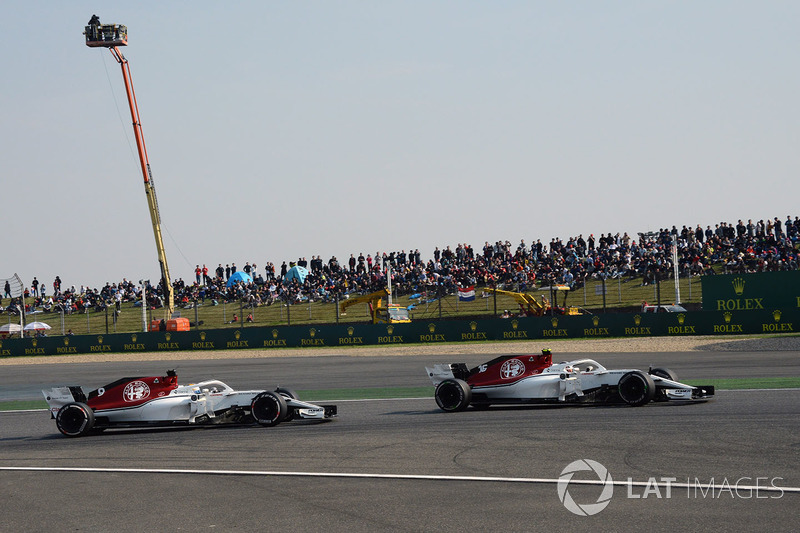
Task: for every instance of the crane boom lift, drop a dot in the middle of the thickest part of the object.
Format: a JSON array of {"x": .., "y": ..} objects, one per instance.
[
  {"x": 530, "y": 306},
  {"x": 112, "y": 36},
  {"x": 392, "y": 314},
  {"x": 528, "y": 303}
]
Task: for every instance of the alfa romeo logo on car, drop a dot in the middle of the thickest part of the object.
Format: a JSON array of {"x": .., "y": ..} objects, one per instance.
[
  {"x": 512, "y": 368},
  {"x": 135, "y": 391},
  {"x": 585, "y": 509}
]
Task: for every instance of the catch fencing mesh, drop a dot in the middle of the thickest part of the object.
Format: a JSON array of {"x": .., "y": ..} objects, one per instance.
[{"x": 11, "y": 287}]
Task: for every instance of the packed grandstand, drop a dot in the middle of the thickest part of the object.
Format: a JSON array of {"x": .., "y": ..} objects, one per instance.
[{"x": 762, "y": 246}]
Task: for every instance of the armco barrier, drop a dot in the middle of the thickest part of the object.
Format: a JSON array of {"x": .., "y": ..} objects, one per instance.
[{"x": 546, "y": 328}]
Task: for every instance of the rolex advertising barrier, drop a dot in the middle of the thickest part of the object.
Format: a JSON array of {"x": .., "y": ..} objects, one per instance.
[
  {"x": 429, "y": 332},
  {"x": 734, "y": 304}
]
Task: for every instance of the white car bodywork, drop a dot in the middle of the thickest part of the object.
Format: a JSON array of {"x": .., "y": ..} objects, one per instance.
[
  {"x": 508, "y": 381},
  {"x": 562, "y": 380},
  {"x": 161, "y": 401},
  {"x": 186, "y": 403}
]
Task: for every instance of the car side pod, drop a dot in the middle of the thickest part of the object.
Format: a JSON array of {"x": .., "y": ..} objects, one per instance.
[
  {"x": 453, "y": 395},
  {"x": 636, "y": 388}
]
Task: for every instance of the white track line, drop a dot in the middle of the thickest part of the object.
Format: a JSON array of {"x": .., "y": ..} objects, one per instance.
[{"x": 266, "y": 473}]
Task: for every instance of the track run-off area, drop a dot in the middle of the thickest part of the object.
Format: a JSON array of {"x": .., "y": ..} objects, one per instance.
[{"x": 402, "y": 464}]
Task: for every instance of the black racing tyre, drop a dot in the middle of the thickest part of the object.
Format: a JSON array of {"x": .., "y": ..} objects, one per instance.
[
  {"x": 636, "y": 388},
  {"x": 288, "y": 392},
  {"x": 268, "y": 408},
  {"x": 291, "y": 394},
  {"x": 665, "y": 373},
  {"x": 75, "y": 419},
  {"x": 453, "y": 395}
]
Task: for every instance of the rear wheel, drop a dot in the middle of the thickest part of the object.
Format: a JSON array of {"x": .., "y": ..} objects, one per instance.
[
  {"x": 268, "y": 408},
  {"x": 453, "y": 395},
  {"x": 636, "y": 388},
  {"x": 75, "y": 419}
]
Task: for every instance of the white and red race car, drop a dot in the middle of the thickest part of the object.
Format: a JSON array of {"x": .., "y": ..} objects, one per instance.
[
  {"x": 530, "y": 379},
  {"x": 161, "y": 401}
]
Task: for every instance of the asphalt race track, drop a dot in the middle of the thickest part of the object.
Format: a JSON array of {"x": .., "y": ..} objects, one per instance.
[{"x": 403, "y": 464}]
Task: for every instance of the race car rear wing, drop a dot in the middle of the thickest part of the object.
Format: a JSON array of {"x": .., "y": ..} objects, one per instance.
[
  {"x": 57, "y": 397},
  {"x": 441, "y": 372}
]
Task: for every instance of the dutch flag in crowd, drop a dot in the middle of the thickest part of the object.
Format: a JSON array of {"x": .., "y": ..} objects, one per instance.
[{"x": 467, "y": 294}]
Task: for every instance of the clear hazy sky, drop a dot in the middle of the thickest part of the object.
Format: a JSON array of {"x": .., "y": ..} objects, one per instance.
[{"x": 277, "y": 130}]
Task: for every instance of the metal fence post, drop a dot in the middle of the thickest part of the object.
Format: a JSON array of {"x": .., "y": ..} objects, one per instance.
[{"x": 603, "y": 278}]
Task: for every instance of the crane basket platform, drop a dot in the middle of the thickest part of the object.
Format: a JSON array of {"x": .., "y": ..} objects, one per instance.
[{"x": 107, "y": 35}]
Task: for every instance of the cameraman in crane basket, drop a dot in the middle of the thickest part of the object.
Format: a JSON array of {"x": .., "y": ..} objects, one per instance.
[{"x": 94, "y": 23}]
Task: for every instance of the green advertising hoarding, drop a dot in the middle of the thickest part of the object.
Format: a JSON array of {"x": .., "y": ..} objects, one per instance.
[
  {"x": 545, "y": 329},
  {"x": 764, "y": 291}
]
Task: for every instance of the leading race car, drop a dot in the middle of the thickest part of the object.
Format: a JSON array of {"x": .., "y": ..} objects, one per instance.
[
  {"x": 161, "y": 401},
  {"x": 529, "y": 379}
]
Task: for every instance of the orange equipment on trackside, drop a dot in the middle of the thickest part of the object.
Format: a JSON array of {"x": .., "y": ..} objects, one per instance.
[{"x": 173, "y": 324}]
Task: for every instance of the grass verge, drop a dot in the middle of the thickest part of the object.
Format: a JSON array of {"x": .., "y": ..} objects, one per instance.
[{"x": 748, "y": 383}]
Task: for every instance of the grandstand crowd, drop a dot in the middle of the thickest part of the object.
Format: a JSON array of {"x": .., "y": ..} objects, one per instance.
[{"x": 743, "y": 247}]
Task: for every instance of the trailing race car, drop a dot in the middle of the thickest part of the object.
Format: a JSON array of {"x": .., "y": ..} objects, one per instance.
[
  {"x": 529, "y": 379},
  {"x": 160, "y": 401}
]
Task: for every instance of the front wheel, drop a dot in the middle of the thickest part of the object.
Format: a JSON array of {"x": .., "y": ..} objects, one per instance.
[
  {"x": 75, "y": 419},
  {"x": 453, "y": 395},
  {"x": 268, "y": 408},
  {"x": 288, "y": 392},
  {"x": 636, "y": 388},
  {"x": 291, "y": 394},
  {"x": 665, "y": 373}
]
